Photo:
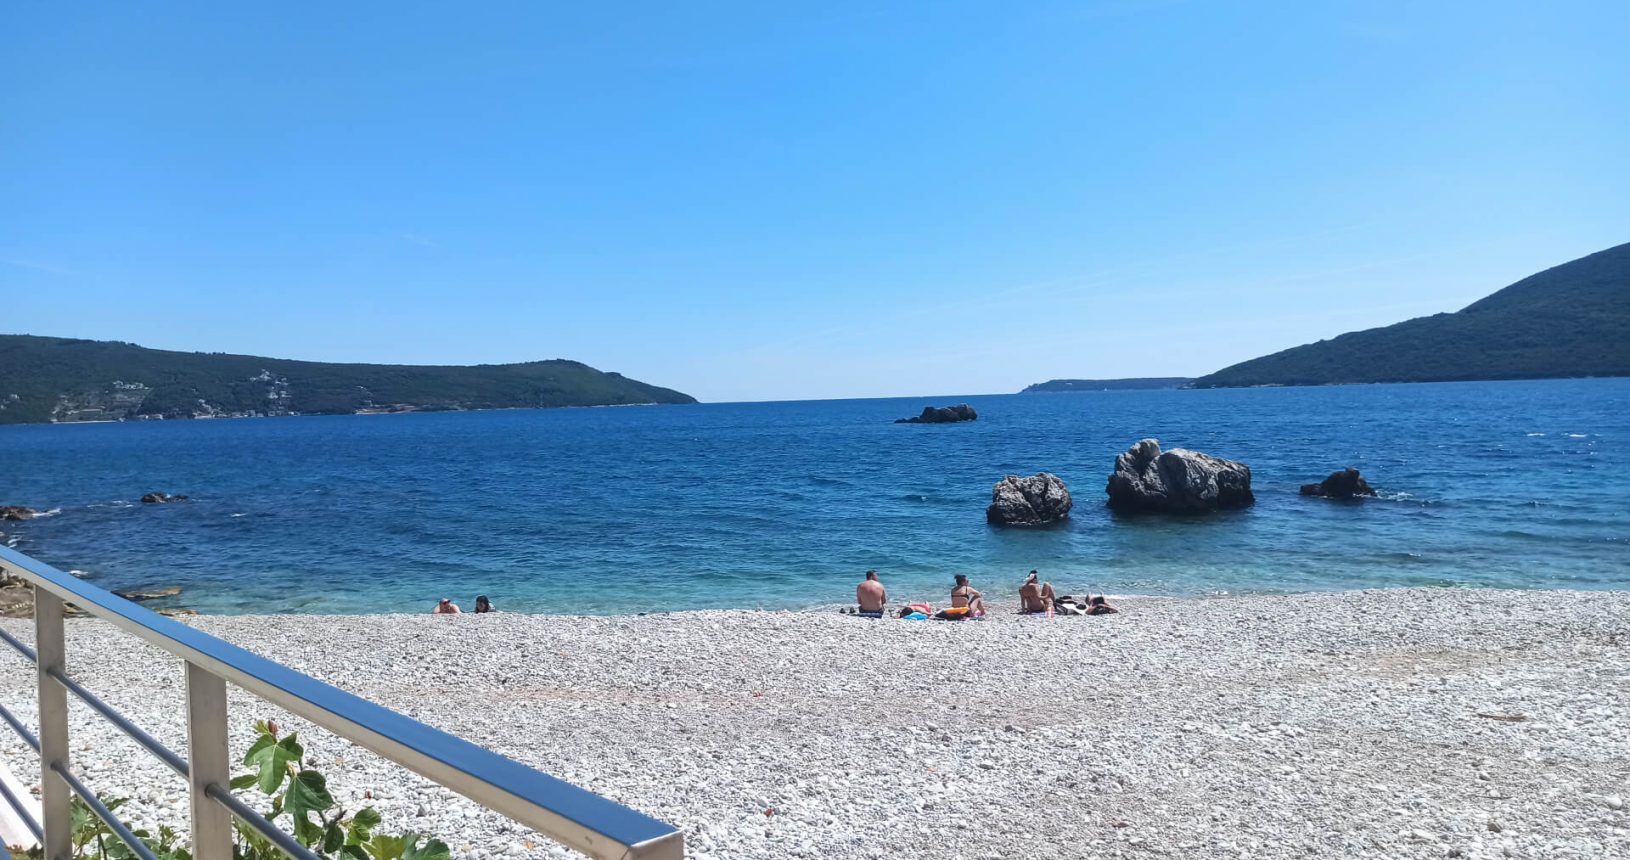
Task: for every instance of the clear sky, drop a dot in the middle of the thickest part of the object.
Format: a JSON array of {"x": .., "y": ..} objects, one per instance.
[{"x": 756, "y": 200}]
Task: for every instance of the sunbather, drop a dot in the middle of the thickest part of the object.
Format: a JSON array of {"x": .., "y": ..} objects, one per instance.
[
  {"x": 963, "y": 596},
  {"x": 871, "y": 595},
  {"x": 1036, "y": 598}
]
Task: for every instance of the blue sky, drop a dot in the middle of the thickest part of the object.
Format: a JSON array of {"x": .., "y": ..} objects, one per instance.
[{"x": 771, "y": 201}]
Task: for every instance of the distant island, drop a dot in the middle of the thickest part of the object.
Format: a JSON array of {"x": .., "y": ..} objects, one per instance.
[
  {"x": 1568, "y": 321},
  {"x": 49, "y": 379},
  {"x": 1053, "y": 385}
]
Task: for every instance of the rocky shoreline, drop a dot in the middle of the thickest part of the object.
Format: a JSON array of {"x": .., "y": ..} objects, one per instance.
[{"x": 1384, "y": 724}]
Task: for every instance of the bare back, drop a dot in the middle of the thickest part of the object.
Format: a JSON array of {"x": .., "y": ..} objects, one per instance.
[{"x": 871, "y": 596}]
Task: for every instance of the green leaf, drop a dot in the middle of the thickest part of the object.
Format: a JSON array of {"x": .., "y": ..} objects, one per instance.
[
  {"x": 355, "y": 852},
  {"x": 244, "y": 781},
  {"x": 308, "y": 792},
  {"x": 308, "y": 832},
  {"x": 362, "y": 825},
  {"x": 255, "y": 748},
  {"x": 273, "y": 759},
  {"x": 333, "y": 838},
  {"x": 386, "y": 847},
  {"x": 435, "y": 849}
]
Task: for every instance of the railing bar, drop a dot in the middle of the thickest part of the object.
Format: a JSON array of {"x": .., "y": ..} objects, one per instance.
[
  {"x": 22, "y": 812},
  {"x": 19, "y": 728},
  {"x": 21, "y": 648},
  {"x": 118, "y": 827},
  {"x": 579, "y": 818},
  {"x": 254, "y": 819},
  {"x": 136, "y": 733}
]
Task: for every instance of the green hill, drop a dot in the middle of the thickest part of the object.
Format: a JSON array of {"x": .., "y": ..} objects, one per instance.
[
  {"x": 58, "y": 379},
  {"x": 1139, "y": 383},
  {"x": 1571, "y": 320}
]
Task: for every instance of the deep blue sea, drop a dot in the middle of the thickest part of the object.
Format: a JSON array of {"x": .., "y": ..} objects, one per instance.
[{"x": 1505, "y": 484}]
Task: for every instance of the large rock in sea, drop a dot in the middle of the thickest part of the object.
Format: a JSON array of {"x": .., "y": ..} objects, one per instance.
[
  {"x": 942, "y": 415},
  {"x": 1345, "y": 484},
  {"x": 1038, "y": 500},
  {"x": 161, "y": 498},
  {"x": 17, "y": 512},
  {"x": 1177, "y": 481}
]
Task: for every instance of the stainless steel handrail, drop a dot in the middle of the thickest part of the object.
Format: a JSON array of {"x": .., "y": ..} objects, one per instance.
[{"x": 592, "y": 824}]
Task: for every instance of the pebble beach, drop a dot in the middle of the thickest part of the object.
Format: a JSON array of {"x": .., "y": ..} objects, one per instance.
[{"x": 1396, "y": 723}]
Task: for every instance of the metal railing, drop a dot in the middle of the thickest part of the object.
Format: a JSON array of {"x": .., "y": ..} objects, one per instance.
[{"x": 580, "y": 819}]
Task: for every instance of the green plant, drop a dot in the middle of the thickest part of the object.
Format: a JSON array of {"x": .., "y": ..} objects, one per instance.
[
  {"x": 301, "y": 795},
  {"x": 297, "y": 793}
]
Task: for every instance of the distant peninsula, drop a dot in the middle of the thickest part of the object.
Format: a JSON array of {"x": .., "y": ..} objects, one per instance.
[
  {"x": 1054, "y": 385},
  {"x": 1569, "y": 321},
  {"x": 50, "y": 379}
]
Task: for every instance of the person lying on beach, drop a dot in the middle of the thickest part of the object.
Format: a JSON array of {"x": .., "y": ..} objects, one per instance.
[
  {"x": 1036, "y": 598},
  {"x": 963, "y": 596},
  {"x": 446, "y": 607},
  {"x": 1099, "y": 606},
  {"x": 871, "y": 595},
  {"x": 916, "y": 611},
  {"x": 482, "y": 604}
]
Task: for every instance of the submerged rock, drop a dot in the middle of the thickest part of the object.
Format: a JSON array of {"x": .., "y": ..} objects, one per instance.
[
  {"x": 161, "y": 498},
  {"x": 1177, "y": 481},
  {"x": 17, "y": 512},
  {"x": 140, "y": 595},
  {"x": 1345, "y": 484},
  {"x": 1038, "y": 500},
  {"x": 942, "y": 415}
]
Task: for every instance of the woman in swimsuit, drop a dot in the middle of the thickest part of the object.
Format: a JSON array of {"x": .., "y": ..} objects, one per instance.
[{"x": 964, "y": 595}]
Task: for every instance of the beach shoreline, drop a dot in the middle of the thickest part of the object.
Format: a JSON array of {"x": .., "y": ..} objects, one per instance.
[{"x": 1383, "y": 723}]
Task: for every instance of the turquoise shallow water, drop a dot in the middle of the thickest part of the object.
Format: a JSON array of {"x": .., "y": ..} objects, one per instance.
[{"x": 1510, "y": 484}]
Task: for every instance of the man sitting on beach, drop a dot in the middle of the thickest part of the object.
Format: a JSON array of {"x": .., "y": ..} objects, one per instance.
[
  {"x": 871, "y": 595},
  {"x": 1036, "y": 598},
  {"x": 446, "y": 607}
]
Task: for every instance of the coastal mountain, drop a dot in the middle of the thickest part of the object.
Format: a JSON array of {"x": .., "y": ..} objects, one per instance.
[
  {"x": 1053, "y": 385},
  {"x": 1571, "y": 320},
  {"x": 62, "y": 380}
]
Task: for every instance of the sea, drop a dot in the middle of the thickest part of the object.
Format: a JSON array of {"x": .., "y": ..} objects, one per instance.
[{"x": 785, "y": 505}]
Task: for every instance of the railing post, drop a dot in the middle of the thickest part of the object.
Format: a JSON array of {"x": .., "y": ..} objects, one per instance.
[
  {"x": 55, "y": 795},
  {"x": 209, "y": 762}
]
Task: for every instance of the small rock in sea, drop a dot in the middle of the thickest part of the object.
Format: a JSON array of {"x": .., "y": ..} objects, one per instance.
[
  {"x": 1345, "y": 484},
  {"x": 1038, "y": 500},
  {"x": 942, "y": 415},
  {"x": 17, "y": 512},
  {"x": 161, "y": 498}
]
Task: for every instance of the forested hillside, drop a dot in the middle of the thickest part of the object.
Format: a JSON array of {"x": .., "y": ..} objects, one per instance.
[
  {"x": 58, "y": 379},
  {"x": 1571, "y": 320}
]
